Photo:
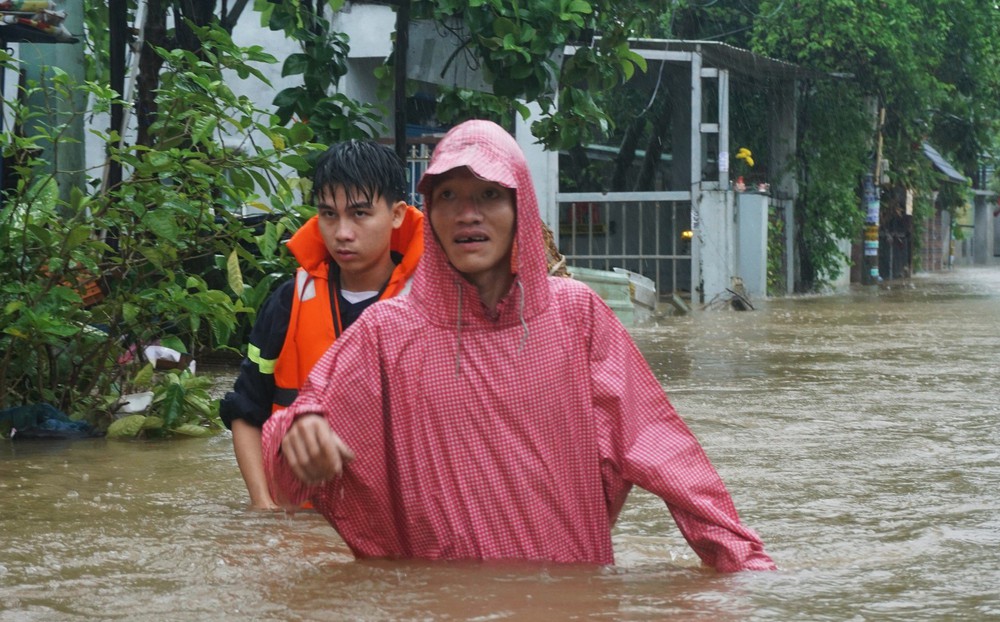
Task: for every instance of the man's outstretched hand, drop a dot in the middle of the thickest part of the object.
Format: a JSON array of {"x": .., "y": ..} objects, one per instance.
[{"x": 312, "y": 450}]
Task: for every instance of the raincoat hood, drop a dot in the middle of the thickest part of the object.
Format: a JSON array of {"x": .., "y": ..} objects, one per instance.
[{"x": 493, "y": 155}]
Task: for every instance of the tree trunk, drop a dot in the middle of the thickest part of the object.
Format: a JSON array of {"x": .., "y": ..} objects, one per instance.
[
  {"x": 150, "y": 64},
  {"x": 198, "y": 12}
]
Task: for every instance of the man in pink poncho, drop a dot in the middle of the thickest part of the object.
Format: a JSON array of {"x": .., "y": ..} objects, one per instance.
[{"x": 495, "y": 412}]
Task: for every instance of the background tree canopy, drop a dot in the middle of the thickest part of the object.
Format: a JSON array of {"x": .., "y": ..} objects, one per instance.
[{"x": 931, "y": 65}]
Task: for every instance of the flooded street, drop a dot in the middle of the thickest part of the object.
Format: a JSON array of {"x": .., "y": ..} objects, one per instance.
[{"x": 859, "y": 435}]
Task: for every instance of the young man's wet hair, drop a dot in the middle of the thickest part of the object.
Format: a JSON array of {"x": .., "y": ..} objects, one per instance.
[{"x": 363, "y": 168}]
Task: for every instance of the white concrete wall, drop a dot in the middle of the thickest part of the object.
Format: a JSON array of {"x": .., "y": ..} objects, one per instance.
[
  {"x": 843, "y": 282},
  {"x": 983, "y": 238},
  {"x": 544, "y": 167},
  {"x": 715, "y": 236},
  {"x": 369, "y": 26},
  {"x": 247, "y": 32},
  {"x": 751, "y": 242}
]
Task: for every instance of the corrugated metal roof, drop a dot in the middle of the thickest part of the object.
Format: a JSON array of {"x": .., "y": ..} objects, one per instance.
[
  {"x": 730, "y": 57},
  {"x": 943, "y": 165}
]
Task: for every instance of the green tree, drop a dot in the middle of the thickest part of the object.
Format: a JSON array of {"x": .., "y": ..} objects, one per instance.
[
  {"x": 514, "y": 43},
  {"x": 930, "y": 64},
  {"x": 331, "y": 115},
  {"x": 72, "y": 305}
]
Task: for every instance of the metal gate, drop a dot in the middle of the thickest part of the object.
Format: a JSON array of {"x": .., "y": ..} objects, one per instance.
[{"x": 645, "y": 232}]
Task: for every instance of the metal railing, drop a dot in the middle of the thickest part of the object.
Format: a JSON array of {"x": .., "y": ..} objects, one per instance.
[{"x": 418, "y": 155}]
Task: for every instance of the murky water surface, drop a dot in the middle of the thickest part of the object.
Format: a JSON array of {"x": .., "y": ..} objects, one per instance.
[{"x": 859, "y": 435}]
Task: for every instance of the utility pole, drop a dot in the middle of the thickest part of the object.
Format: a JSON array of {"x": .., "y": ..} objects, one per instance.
[
  {"x": 869, "y": 268},
  {"x": 872, "y": 204}
]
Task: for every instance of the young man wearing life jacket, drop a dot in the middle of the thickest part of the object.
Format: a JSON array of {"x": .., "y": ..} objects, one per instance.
[
  {"x": 495, "y": 412},
  {"x": 362, "y": 246}
]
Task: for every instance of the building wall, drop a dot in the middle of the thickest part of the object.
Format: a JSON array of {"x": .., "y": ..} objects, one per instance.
[{"x": 935, "y": 252}]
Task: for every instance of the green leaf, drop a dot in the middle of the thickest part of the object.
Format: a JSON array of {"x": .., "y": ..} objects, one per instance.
[
  {"x": 190, "y": 429},
  {"x": 78, "y": 235},
  {"x": 259, "y": 178},
  {"x": 152, "y": 422},
  {"x": 201, "y": 406},
  {"x": 159, "y": 161},
  {"x": 288, "y": 97},
  {"x": 637, "y": 59},
  {"x": 126, "y": 427},
  {"x": 144, "y": 377},
  {"x": 163, "y": 224},
  {"x": 203, "y": 128},
  {"x": 503, "y": 26},
  {"x": 194, "y": 165},
  {"x": 295, "y": 64},
  {"x": 300, "y": 133},
  {"x": 240, "y": 179},
  {"x": 234, "y": 273},
  {"x": 49, "y": 326},
  {"x": 627, "y": 69},
  {"x": 174, "y": 343},
  {"x": 171, "y": 405},
  {"x": 130, "y": 312},
  {"x": 297, "y": 162},
  {"x": 519, "y": 72}
]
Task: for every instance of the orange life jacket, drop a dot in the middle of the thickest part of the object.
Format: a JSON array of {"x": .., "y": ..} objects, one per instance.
[{"x": 314, "y": 323}]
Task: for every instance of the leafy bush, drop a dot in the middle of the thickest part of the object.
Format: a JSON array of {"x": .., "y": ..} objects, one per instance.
[
  {"x": 181, "y": 405},
  {"x": 833, "y": 155},
  {"x": 87, "y": 278}
]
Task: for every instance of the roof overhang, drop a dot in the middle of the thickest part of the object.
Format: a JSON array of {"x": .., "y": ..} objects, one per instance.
[
  {"x": 943, "y": 165},
  {"x": 725, "y": 56}
]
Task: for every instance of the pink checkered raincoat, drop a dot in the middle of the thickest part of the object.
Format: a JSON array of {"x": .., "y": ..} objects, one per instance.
[{"x": 514, "y": 435}]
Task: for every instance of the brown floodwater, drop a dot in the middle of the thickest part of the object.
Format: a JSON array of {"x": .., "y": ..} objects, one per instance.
[{"x": 858, "y": 434}]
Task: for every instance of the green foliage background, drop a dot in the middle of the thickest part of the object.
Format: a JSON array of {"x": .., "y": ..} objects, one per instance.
[
  {"x": 166, "y": 246},
  {"x": 172, "y": 257}
]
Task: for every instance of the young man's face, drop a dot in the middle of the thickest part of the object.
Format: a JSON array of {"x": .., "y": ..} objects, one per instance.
[
  {"x": 357, "y": 234},
  {"x": 474, "y": 220}
]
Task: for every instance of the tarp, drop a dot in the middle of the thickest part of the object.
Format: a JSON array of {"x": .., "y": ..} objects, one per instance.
[
  {"x": 43, "y": 421},
  {"x": 942, "y": 165}
]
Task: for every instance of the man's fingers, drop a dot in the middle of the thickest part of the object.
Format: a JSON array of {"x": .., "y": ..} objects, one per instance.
[
  {"x": 291, "y": 448},
  {"x": 296, "y": 448},
  {"x": 346, "y": 453},
  {"x": 313, "y": 452}
]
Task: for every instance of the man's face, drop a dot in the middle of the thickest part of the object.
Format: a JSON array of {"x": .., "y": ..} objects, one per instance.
[
  {"x": 474, "y": 220},
  {"x": 357, "y": 234}
]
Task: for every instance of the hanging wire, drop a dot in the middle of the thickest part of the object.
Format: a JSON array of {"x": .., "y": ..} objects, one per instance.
[
  {"x": 758, "y": 15},
  {"x": 656, "y": 87}
]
